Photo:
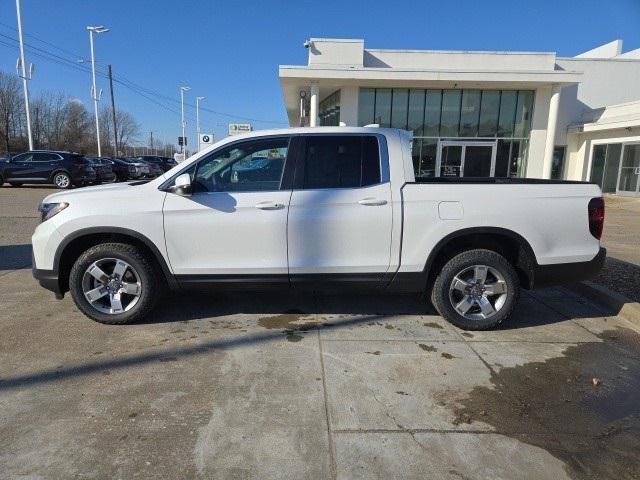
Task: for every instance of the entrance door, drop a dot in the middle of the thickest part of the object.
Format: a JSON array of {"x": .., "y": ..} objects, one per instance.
[
  {"x": 466, "y": 159},
  {"x": 629, "y": 178}
]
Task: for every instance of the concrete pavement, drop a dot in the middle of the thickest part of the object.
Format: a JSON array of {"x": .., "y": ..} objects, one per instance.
[{"x": 310, "y": 386}]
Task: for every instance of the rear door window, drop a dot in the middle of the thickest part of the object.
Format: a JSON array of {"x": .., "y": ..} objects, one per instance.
[{"x": 340, "y": 161}]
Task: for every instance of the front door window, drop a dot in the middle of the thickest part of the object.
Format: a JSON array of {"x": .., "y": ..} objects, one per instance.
[{"x": 466, "y": 159}]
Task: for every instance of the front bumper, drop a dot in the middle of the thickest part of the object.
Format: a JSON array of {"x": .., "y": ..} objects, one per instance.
[
  {"x": 49, "y": 279},
  {"x": 563, "y": 273}
]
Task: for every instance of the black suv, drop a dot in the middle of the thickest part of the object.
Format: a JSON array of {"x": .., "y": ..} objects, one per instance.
[
  {"x": 63, "y": 169},
  {"x": 165, "y": 163}
]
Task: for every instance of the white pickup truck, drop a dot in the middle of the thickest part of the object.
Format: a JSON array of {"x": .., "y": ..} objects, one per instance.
[{"x": 320, "y": 208}]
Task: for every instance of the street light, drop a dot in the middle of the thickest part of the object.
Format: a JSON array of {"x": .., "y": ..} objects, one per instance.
[
  {"x": 184, "y": 125},
  {"x": 198, "y": 118},
  {"x": 94, "y": 93}
]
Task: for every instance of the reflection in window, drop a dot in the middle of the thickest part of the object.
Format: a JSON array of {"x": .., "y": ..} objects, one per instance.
[
  {"x": 416, "y": 112},
  {"x": 399, "y": 108},
  {"x": 366, "y": 106},
  {"x": 470, "y": 113},
  {"x": 523, "y": 114},
  {"x": 432, "y": 112},
  {"x": 450, "y": 117},
  {"x": 611, "y": 167},
  {"x": 507, "y": 113},
  {"x": 383, "y": 107},
  {"x": 489, "y": 109},
  {"x": 557, "y": 163},
  {"x": 329, "y": 110}
]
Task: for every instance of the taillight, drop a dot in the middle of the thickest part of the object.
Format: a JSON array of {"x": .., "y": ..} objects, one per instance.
[{"x": 596, "y": 216}]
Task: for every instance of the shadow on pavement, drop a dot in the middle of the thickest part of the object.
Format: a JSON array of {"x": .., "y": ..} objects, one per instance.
[{"x": 15, "y": 257}]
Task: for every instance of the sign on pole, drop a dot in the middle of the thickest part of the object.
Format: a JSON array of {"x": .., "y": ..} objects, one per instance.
[
  {"x": 204, "y": 140},
  {"x": 238, "y": 128}
]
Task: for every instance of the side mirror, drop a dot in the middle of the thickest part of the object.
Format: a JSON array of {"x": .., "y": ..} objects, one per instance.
[{"x": 182, "y": 185}]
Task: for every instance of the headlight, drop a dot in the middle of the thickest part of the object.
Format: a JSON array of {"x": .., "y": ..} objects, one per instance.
[{"x": 48, "y": 210}]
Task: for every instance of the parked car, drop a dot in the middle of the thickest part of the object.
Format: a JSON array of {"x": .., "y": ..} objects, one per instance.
[
  {"x": 154, "y": 167},
  {"x": 126, "y": 169},
  {"x": 63, "y": 169},
  {"x": 345, "y": 211},
  {"x": 103, "y": 168},
  {"x": 165, "y": 163}
]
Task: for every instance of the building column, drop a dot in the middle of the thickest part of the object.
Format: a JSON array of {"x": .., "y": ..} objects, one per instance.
[
  {"x": 313, "y": 109},
  {"x": 554, "y": 104}
]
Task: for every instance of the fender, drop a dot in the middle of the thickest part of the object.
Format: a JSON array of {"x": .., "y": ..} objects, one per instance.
[
  {"x": 118, "y": 231},
  {"x": 417, "y": 281}
]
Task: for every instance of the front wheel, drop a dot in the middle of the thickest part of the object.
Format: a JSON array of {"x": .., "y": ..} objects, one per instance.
[
  {"x": 114, "y": 283},
  {"x": 476, "y": 290},
  {"x": 62, "y": 180}
]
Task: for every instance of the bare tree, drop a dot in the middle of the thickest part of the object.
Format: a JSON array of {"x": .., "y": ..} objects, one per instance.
[
  {"x": 128, "y": 128},
  {"x": 9, "y": 111}
]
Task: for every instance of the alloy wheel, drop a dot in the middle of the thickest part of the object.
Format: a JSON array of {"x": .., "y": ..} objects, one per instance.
[
  {"x": 61, "y": 180},
  {"x": 111, "y": 286},
  {"x": 478, "y": 292}
]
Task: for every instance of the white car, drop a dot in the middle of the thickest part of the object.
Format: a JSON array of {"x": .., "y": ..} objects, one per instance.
[{"x": 324, "y": 208}]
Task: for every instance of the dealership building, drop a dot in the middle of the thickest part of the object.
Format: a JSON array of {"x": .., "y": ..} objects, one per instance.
[{"x": 527, "y": 114}]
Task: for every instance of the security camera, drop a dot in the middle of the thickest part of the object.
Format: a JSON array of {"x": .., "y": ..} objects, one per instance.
[{"x": 307, "y": 43}]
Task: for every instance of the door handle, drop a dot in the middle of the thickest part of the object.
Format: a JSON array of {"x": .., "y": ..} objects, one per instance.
[
  {"x": 267, "y": 205},
  {"x": 372, "y": 201}
]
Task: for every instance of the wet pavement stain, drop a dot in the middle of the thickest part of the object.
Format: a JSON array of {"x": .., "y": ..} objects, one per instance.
[
  {"x": 594, "y": 428},
  {"x": 446, "y": 355},
  {"x": 467, "y": 334},
  {"x": 433, "y": 325},
  {"x": 286, "y": 321},
  {"x": 427, "y": 348},
  {"x": 292, "y": 337}
]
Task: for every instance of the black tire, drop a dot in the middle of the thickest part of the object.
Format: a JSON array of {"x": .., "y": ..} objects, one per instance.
[
  {"x": 443, "y": 300},
  {"x": 1, "y": 181},
  {"x": 14, "y": 184},
  {"x": 149, "y": 277},
  {"x": 62, "y": 180}
]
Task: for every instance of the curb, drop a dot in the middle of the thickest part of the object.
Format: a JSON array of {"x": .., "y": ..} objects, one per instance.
[{"x": 625, "y": 307}]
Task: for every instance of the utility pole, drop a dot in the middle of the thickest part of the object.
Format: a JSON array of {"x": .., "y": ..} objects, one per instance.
[
  {"x": 24, "y": 77},
  {"x": 94, "y": 92},
  {"x": 113, "y": 112},
  {"x": 198, "y": 121},
  {"x": 152, "y": 151}
]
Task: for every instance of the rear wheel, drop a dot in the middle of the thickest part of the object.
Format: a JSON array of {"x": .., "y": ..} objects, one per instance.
[
  {"x": 62, "y": 180},
  {"x": 14, "y": 184},
  {"x": 476, "y": 290},
  {"x": 114, "y": 283}
]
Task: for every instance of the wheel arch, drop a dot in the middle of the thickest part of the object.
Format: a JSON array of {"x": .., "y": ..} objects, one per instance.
[
  {"x": 78, "y": 242},
  {"x": 508, "y": 243},
  {"x": 60, "y": 170}
]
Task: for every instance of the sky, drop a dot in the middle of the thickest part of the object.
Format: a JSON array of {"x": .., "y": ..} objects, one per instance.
[{"x": 229, "y": 52}]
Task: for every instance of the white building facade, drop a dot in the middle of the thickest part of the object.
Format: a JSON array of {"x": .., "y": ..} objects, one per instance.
[{"x": 527, "y": 114}]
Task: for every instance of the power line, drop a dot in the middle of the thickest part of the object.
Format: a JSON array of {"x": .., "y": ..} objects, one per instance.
[{"x": 130, "y": 84}]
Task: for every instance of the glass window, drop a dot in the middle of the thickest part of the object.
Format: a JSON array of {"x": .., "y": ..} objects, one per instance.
[
  {"x": 432, "y": 107},
  {"x": 557, "y": 163},
  {"x": 416, "y": 112},
  {"x": 425, "y": 166},
  {"x": 23, "y": 157},
  {"x": 329, "y": 110},
  {"x": 450, "y": 118},
  {"x": 451, "y": 161},
  {"x": 597, "y": 163},
  {"x": 44, "y": 157},
  {"x": 243, "y": 167},
  {"x": 383, "y": 107},
  {"x": 470, "y": 113},
  {"x": 611, "y": 167},
  {"x": 523, "y": 114},
  {"x": 503, "y": 152},
  {"x": 399, "y": 108},
  {"x": 508, "y": 99},
  {"x": 341, "y": 161},
  {"x": 366, "y": 106},
  {"x": 518, "y": 159},
  {"x": 489, "y": 109}
]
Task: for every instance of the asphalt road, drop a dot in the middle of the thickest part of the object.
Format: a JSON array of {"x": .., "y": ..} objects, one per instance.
[{"x": 313, "y": 386}]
